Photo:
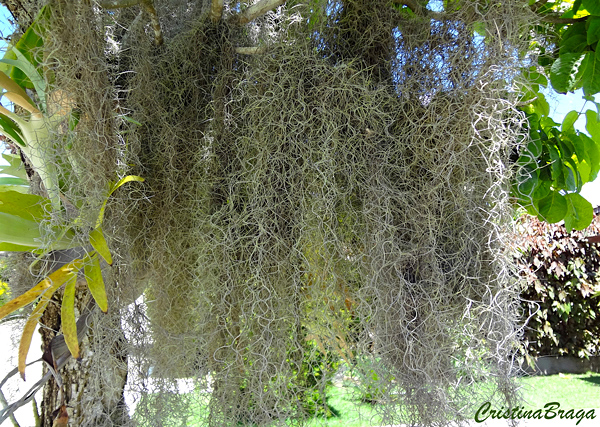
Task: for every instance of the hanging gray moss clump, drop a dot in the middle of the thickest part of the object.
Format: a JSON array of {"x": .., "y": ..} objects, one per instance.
[{"x": 335, "y": 190}]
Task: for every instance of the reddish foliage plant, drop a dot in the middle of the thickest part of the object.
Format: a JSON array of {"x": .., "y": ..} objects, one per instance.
[{"x": 561, "y": 272}]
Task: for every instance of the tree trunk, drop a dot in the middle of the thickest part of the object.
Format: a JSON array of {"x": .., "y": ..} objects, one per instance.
[
  {"x": 111, "y": 411},
  {"x": 76, "y": 391}
]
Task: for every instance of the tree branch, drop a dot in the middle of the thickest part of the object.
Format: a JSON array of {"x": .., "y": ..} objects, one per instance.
[
  {"x": 21, "y": 11},
  {"x": 216, "y": 10},
  {"x": 117, "y": 4},
  {"x": 538, "y": 5},
  {"x": 256, "y": 10},
  {"x": 250, "y": 50},
  {"x": 556, "y": 19},
  {"x": 147, "y": 5}
]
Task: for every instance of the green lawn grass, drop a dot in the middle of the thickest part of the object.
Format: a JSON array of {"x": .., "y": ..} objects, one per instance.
[
  {"x": 569, "y": 390},
  {"x": 351, "y": 412}
]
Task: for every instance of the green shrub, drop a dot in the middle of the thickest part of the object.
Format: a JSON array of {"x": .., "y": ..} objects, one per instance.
[
  {"x": 373, "y": 386},
  {"x": 317, "y": 371}
]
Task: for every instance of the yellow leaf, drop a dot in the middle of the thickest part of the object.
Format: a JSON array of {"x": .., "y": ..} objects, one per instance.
[
  {"x": 56, "y": 280},
  {"x": 98, "y": 242},
  {"x": 28, "y": 332},
  {"x": 59, "y": 276},
  {"x": 124, "y": 180},
  {"x": 67, "y": 317},
  {"x": 111, "y": 190},
  {"x": 93, "y": 276},
  {"x": 16, "y": 94}
]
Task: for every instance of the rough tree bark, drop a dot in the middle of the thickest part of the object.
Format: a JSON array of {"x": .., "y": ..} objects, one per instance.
[{"x": 75, "y": 375}]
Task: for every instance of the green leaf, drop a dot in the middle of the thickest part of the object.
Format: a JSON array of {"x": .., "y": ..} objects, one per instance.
[
  {"x": 9, "y": 129},
  {"x": 534, "y": 149},
  {"x": 542, "y": 190},
  {"x": 584, "y": 171},
  {"x": 74, "y": 119},
  {"x": 30, "y": 44},
  {"x": 565, "y": 70},
  {"x": 552, "y": 208},
  {"x": 532, "y": 77},
  {"x": 113, "y": 187},
  {"x": 93, "y": 277},
  {"x": 131, "y": 120},
  {"x": 590, "y": 73},
  {"x": 23, "y": 189},
  {"x": 592, "y": 144},
  {"x": 538, "y": 106},
  {"x": 593, "y": 29},
  {"x": 527, "y": 180},
  {"x": 571, "y": 174},
  {"x": 573, "y": 30},
  {"x": 578, "y": 146},
  {"x": 4, "y": 181},
  {"x": 19, "y": 231},
  {"x": 593, "y": 124},
  {"x": 556, "y": 167},
  {"x": 592, "y": 149},
  {"x": 15, "y": 166},
  {"x": 27, "y": 206},
  {"x": 20, "y": 216},
  {"x": 592, "y": 6},
  {"x": 569, "y": 121},
  {"x": 67, "y": 317},
  {"x": 580, "y": 158},
  {"x": 579, "y": 213},
  {"x": 29, "y": 329},
  {"x": 548, "y": 123},
  {"x": 566, "y": 148},
  {"x": 98, "y": 242},
  {"x": 124, "y": 180},
  {"x": 23, "y": 64},
  {"x": 11, "y": 247},
  {"x": 574, "y": 44}
]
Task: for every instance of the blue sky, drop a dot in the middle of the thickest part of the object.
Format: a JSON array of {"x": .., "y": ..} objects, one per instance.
[
  {"x": 560, "y": 105},
  {"x": 5, "y": 28}
]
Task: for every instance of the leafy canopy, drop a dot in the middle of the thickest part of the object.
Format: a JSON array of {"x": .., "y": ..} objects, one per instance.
[{"x": 557, "y": 159}]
